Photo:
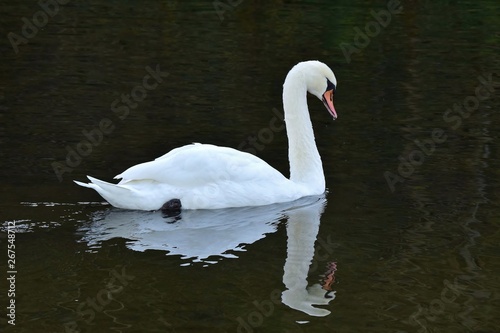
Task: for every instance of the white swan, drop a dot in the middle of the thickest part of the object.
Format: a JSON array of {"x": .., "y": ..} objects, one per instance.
[{"x": 204, "y": 176}]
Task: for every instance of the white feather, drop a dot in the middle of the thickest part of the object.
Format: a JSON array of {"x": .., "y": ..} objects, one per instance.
[{"x": 205, "y": 176}]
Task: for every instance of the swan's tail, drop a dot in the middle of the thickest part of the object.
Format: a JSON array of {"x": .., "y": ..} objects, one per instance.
[{"x": 108, "y": 191}]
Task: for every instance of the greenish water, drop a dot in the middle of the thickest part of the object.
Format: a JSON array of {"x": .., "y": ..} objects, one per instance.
[{"x": 408, "y": 240}]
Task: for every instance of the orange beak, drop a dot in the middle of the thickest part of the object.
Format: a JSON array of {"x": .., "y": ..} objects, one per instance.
[{"x": 328, "y": 101}]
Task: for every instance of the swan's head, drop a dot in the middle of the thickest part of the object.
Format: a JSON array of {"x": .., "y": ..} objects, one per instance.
[{"x": 320, "y": 82}]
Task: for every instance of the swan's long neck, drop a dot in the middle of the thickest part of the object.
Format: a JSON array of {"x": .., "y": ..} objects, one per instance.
[{"x": 305, "y": 162}]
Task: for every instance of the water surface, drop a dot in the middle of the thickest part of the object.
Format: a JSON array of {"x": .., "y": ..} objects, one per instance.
[{"x": 420, "y": 256}]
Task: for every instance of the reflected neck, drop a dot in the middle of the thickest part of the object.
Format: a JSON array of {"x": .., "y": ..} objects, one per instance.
[
  {"x": 305, "y": 162},
  {"x": 302, "y": 231}
]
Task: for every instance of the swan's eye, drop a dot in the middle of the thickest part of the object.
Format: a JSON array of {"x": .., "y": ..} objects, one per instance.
[{"x": 330, "y": 85}]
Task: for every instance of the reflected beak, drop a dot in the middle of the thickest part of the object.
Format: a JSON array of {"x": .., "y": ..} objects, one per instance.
[{"x": 328, "y": 101}]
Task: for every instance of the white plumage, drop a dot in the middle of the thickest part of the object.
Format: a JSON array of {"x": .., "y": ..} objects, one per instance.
[{"x": 205, "y": 176}]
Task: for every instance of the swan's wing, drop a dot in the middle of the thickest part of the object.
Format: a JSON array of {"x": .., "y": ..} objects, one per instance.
[{"x": 200, "y": 164}]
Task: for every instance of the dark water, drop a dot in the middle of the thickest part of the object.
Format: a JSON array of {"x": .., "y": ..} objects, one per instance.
[{"x": 409, "y": 238}]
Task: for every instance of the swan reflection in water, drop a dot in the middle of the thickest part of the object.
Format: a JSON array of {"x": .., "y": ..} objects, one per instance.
[
  {"x": 302, "y": 231},
  {"x": 207, "y": 236}
]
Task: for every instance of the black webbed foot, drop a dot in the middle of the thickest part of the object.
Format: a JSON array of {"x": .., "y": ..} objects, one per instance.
[{"x": 171, "y": 208}]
